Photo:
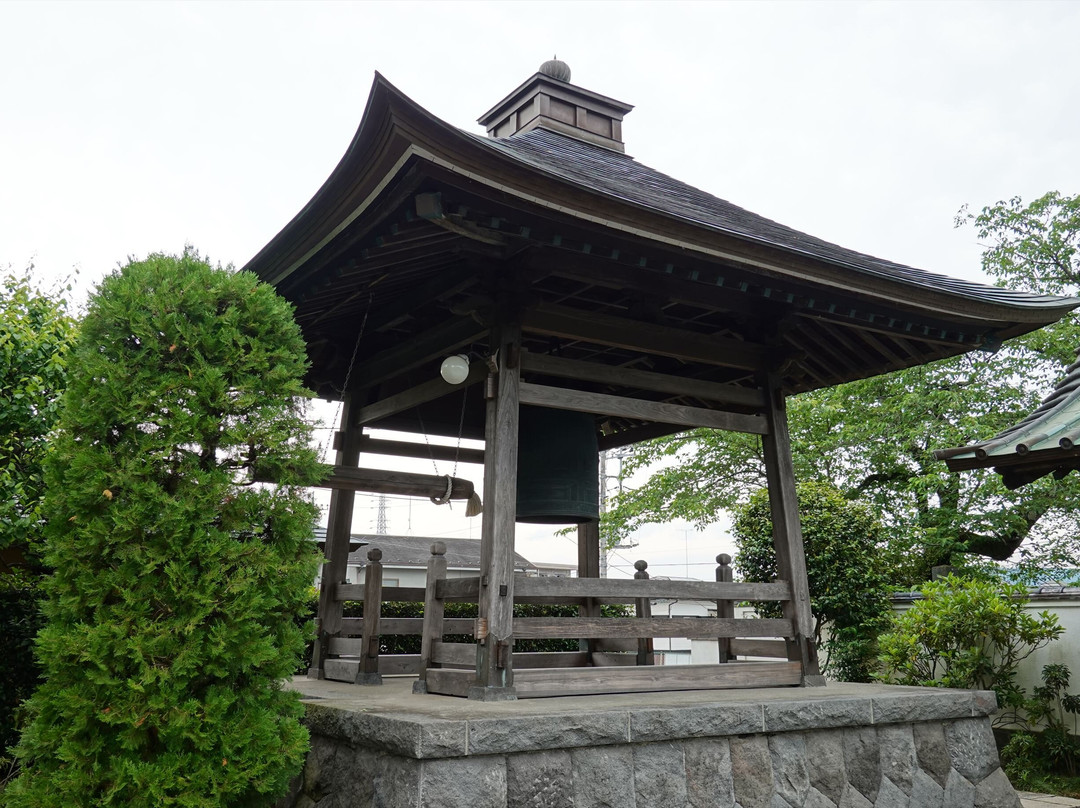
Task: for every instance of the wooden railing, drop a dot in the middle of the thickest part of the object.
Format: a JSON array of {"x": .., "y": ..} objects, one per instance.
[
  {"x": 576, "y": 671},
  {"x": 607, "y": 641}
]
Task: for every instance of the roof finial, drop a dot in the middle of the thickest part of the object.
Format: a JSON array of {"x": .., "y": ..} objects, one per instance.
[{"x": 558, "y": 70}]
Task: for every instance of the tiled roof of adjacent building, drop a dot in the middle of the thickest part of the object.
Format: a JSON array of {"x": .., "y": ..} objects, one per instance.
[
  {"x": 414, "y": 551},
  {"x": 1047, "y": 441}
]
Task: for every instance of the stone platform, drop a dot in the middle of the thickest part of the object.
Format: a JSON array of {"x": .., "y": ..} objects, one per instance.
[{"x": 841, "y": 746}]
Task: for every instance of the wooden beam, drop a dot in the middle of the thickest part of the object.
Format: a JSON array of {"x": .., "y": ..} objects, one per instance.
[
  {"x": 759, "y": 648},
  {"x": 561, "y": 398},
  {"x": 399, "y": 483},
  {"x": 430, "y": 390},
  {"x": 689, "y": 627},
  {"x": 641, "y": 379},
  {"x": 454, "y": 653},
  {"x": 662, "y": 287},
  {"x": 399, "y": 664},
  {"x": 860, "y": 352},
  {"x": 620, "y": 332},
  {"x": 446, "y": 282},
  {"x": 440, "y": 340},
  {"x": 454, "y": 588},
  {"x": 638, "y": 434},
  {"x": 582, "y": 587},
  {"x": 588, "y": 681},
  {"x": 406, "y": 594},
  {"x": 425, "y": 451},
  {"x": 415, "y": 625}
]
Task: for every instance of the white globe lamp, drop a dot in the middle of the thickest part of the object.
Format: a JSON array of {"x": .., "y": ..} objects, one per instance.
[{"x": 455, "y": 369}]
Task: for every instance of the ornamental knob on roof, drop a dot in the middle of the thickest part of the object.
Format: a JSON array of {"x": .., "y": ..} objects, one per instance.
[{"x": 557, "y": 69}]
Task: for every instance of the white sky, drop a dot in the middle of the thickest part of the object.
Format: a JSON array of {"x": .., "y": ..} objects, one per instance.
[{"x": 127, "y": 128}]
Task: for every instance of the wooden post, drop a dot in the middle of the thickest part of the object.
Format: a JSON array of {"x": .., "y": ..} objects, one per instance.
[
  {"x": 643, "y": 608},
  {"x": 433, "y": 613},
  {"x": 724, "y": 608},
  {"x": 368, "y": 672},
  {"x": 494, "y": 664},
  {"x": 588, "y": 544},
  {"x": 787, "y": 531},
  {"x": 338, "y": 533}
]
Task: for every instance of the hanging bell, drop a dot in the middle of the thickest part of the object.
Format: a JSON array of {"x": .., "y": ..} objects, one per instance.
[{"x": 558, "y": 480}]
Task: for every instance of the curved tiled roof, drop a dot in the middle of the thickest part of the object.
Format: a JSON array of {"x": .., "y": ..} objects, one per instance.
[{"x": 621, "y": 176}]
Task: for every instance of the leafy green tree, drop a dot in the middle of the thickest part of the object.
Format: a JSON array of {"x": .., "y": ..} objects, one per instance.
[
  {"x": 848, "y": 587},
  {"x": 35, "y": 334},
  {"x": 874, "y": 439},
  {"x": 171, "y": 611}
]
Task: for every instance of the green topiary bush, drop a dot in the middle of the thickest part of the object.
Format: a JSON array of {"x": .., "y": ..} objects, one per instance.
[{"x": 171, "y": 612}]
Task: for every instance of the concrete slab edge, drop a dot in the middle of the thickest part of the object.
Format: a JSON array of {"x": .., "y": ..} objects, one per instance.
[{"x": 421, "y": 736}]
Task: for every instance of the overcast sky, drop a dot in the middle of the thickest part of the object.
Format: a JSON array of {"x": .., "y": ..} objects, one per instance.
[{"x": 136, "y": 127}]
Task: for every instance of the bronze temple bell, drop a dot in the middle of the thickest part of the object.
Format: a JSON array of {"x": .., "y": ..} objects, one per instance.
[{"x": 558, "y": 480}]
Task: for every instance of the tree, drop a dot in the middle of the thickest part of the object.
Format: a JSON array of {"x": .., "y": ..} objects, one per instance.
[
  {"x": 873, "y": 439},
  {"x": 848, "y": 587},
  {"x": 35, "y": 334},
  {"x": 178, "y": 577}
]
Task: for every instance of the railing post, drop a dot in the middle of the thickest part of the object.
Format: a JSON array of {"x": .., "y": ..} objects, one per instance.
[
  {"x": 433, "y": 613},
  {"x": 643, "y": 608},
  {"x": 368, "y": 673},
  {"x": 724, "y": 608}
]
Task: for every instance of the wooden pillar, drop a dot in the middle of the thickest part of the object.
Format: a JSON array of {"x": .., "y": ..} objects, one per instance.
[
  {"x": 588, "y": 549},
  {"x": 494, "y": 667},
  {"x": 338, "y": 532},
  {"x": 368, "y": 672},
  {"x": 787, "y": 531}
]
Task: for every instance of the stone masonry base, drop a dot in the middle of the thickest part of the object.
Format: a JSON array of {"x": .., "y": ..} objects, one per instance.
[{"x": 842, "y": 746}]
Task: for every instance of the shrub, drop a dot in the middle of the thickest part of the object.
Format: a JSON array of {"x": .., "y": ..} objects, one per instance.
[
  {"x": 177, "y": 576},
  {"x": 966, "y": 633},
  {"x": 1044, "y": 747}
]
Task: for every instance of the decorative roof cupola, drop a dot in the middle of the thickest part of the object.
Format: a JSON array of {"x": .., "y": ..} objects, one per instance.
[{"x": 548, "y": 100}]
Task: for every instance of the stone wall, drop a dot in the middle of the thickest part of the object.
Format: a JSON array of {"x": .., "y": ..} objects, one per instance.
[{"x": 798, "y": 753}]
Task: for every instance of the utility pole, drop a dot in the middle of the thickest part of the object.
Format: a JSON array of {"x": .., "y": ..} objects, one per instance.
[
  {"x": 380, "y": 519},
  {"x": 617, "y": 455}
]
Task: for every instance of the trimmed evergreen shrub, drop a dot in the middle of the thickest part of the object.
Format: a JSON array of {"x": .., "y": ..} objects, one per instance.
[{"x": 178, "y": 577}]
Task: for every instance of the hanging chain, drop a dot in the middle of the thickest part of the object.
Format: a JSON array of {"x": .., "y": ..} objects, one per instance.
[
  {"x": 445, "y": 499},
  {"x": 348, "y": 374}
]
